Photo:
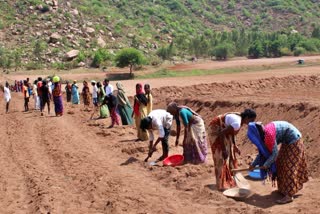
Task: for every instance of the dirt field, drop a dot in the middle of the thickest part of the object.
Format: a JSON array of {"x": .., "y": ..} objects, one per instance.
[{"x": 73, "y": 165}]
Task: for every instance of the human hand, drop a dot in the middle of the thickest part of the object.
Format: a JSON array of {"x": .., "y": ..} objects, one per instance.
[
  {"x": 264, "y": 167},
  {"x": 251, "y": 168}
]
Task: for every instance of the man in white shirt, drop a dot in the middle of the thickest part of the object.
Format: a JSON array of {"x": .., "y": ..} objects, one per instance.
[
  {"x": 7, "y": 96},
  {"x": 94, "y": 93},
  {"x": 160, "y": 120},
  {"x": 108, "y": 87}
]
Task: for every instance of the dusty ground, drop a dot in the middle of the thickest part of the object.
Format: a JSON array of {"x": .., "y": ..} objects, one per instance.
[{"x": 73, "y": 165}]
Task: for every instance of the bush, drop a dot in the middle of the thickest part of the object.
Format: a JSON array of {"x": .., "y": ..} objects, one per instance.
[
  {"x": 33, "y": 66},
  {"x": 81, "y": 57},
  {"x": 256, "y": 50},
  {"x": 298, "y": 51},
  {"x": 100, "y": 56},
  {"x": 285, "y": 52},
  {"x": 45, "y": 9},
  {"x": 223, "y": 51},
  {"x": 58, "y": 65}
]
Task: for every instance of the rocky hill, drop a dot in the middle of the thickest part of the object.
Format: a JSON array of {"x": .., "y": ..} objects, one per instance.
[{"x": 46, "y": 33}]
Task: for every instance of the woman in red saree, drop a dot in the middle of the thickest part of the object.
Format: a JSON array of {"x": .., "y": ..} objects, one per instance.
[
  {"x": 222, "y": 132},
  {"x": 140, "y": 111}
]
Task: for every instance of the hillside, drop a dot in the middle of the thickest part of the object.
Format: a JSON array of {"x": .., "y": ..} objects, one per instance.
[{"x": 36, "y": 34}]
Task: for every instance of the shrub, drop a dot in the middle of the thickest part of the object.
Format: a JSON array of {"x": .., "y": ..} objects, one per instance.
[
  {"x": 285, "y": 51},
  {"x": 81, "y": 57},
  {"x": 45, "y": 9},
  {"x": 100, "y": 56},
  {"x": 223, "y": 51},
  {"x": 298, "y": 51},
  {"x": 58, "y": 65},
  {"x": 256, "y": 50},
  {"x": 33, "y": 66}
]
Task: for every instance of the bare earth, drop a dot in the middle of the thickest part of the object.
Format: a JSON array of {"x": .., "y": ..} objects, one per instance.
[{"x": 74, "y": 165}]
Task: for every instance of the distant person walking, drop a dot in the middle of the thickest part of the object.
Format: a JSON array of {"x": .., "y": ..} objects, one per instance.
[
  {"x": 86, "y": 95},
  {"x": 108, "y": 87},
  {"x": 112, "y": 103},
  {"x": 45, "y": 97},
  {"x": 147, "y": 91},
  {"x": 104, "y": 110},
  {"x": 57, "y": 96},
  {"x": 35, "y": 95},
  {"x": 7, "y": 96},
  {"x": 68, "y": 91},
  {"x": 94, "y": 93},
  {"x": 26, "y": 95},
  {"x": 140, "y": 111},
  {"x": 75, "y": 93},
  {"x": 125, "y": 109}
]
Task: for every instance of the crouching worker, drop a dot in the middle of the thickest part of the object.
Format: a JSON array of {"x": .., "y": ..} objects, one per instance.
[{"x": 159, "y": 120}]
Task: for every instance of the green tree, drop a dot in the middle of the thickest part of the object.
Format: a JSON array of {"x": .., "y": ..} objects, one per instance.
[
  {"x": 256, "y": 50},
  {"x": 129, "y": 57},
  {"x": 223, "y": 51}
]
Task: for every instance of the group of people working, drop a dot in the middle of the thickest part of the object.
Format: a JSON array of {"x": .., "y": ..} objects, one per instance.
[{"x": 287, "y": 166}]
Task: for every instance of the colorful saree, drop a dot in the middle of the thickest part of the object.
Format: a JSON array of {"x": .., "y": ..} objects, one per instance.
[
  {"x": 222, "y": 166},
  {"x": 124, "y": 107},
  {"x": 57, "y": 99}
]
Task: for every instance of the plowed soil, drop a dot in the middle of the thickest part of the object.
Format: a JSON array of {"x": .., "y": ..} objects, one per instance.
[{"x": 71, "y": 164}]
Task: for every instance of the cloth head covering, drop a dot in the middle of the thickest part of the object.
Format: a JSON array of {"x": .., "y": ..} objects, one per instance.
[
  {"x": 270, "y": 136},
  {"x": 141, "y": 97},
  {"x": 120, "y": 86},
  {"x": 121, "y": 96},
  {"x": 255, "y": 137},
  {"x": 93, "y": 81},
  {"x": 140, "y": 91}
]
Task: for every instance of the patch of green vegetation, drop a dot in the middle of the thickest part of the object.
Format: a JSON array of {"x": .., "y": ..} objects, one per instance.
[
  {"x": 201, "y": 28},
  {"x": 168, "y": 73}
]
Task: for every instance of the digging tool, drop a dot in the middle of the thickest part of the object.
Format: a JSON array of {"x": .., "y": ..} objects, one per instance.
[
  {"x": 244, "y": 169},
  {"x": 150, "y": 153}
]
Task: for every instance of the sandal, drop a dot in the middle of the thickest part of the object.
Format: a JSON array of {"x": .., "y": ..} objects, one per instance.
[{"x": 285, "y": 200}]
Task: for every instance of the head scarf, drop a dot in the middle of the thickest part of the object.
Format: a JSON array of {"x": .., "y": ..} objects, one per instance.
[
  {"x": 141, "y": 99},
  {"x": 140, "y": 90},
  {"x": 120, "y": 87},
  {"x": 121, "y": 96},
  {"x": 270, "y": 136},
  {"x": 255, "y": 138}
]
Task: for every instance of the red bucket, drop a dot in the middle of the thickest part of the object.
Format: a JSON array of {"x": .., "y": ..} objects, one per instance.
[{"x": 173, "y": 160}]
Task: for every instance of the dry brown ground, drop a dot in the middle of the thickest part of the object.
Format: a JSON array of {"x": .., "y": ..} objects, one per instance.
[{"x": 72, "y": 165}]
